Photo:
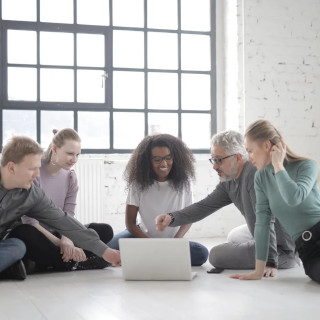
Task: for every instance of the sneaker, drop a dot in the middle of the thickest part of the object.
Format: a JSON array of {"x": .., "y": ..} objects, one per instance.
[
  {"x": 17, "y": 271},
  {"x": 92, "y": 262}
]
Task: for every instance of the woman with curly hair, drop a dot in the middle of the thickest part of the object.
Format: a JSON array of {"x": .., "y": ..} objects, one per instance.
[{"x": 158, "y": 177}]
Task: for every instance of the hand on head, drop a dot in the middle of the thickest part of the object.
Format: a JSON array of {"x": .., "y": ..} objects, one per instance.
[
  {"x": 162, "y": 221},
  {"x": 278, "y": 154}
]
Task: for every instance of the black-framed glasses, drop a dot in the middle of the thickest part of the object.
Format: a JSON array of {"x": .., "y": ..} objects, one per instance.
[
  {"x": 158, "y": 160},
  {"x": 218, "y": 161}
]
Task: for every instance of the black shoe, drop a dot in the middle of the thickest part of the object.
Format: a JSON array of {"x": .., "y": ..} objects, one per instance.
[
  {"x": 93, "y": 262},
  {"x": 16, "y": 271}
]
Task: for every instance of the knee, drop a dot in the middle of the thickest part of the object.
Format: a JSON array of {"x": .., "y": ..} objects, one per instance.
[
  {"x": 21, "y": 249},
  {"x": 104, "y": 231},
  {"x": 239, "y": 234},
  {"x": 201, "y": 255},
  {"x": 216, "y": 256},
  {"x": 17, "y": 247}
]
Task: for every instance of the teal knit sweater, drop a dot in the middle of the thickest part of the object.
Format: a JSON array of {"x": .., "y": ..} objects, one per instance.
[{"x": 291, "y": 195}]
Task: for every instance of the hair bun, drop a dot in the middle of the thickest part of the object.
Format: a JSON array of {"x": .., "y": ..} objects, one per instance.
[{"x": 55, "y": 131}]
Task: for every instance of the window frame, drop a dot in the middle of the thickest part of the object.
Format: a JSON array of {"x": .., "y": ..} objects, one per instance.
[{"x": 107, "y": 31}]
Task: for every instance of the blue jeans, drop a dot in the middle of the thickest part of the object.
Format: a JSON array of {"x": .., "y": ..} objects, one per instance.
[
  {"x": 199, "y": 253},
  {"x": 11, "y": 251}
]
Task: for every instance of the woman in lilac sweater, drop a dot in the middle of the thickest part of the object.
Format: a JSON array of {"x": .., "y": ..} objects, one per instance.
[{"x": 47, "y": 248}]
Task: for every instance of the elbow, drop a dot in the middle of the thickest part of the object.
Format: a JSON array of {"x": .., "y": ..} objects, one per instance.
[{"x": 294, "y": 202}]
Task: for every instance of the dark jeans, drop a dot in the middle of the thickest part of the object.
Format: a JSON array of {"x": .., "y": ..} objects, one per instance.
[
  {"x": 47, "y": 255},
  {"x": 309, "y": 251}
]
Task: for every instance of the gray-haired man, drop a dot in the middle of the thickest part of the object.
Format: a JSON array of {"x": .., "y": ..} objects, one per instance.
[{"x": 229, "y": 159}]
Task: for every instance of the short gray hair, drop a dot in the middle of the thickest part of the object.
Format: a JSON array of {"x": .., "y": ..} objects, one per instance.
[{"x": 232, "y": 141}]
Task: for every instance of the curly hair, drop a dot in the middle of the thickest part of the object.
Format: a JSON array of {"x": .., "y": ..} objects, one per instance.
[{"x": 139, "y": 170}]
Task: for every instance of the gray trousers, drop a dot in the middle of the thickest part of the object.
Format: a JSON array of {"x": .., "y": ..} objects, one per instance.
[{"x": 239, "y": 252}]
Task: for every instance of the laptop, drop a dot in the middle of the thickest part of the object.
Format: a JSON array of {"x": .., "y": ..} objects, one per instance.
[{"x": 155, "y": 259}]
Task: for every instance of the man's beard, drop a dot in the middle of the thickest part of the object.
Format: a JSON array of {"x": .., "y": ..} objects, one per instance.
[{"x": 231, "y": 175}]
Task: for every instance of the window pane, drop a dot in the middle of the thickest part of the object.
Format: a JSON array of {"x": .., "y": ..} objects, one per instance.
[
  {"x": 19, "y": 122},
  {"x": 54, "y": 120},
  {"x": 56, "y": 48},
  {"x": 27, "y": 10},
  {"x": 162, "y": 50},
  {"x": 90, "y": 50},
  {"x": 22, "y": 47},
  {"x": 195, "y": 15},
  {"x": 128, "y": 49},
  {"x": 90, "y": 86},
  {"x": 162, "y": 90},
  {"x": 93, "y": 12},
  {"x": 195, "y": 52},
  {"x": 195, "y": 92},
  {"x": 56, "y": 85},
  {"x": 163, "y": 14},
  {"x": 199, "y": 123},
  {"x": 22, "y": 84},
  {"x": 132, "y": 83},
  {"x": 128, "y": 129},
  {"x": 99, "y": 137},
  {"x": 58, "y": 11},
  {"x": 163, "y": 123},
  {"x": 128, "y": 13}
]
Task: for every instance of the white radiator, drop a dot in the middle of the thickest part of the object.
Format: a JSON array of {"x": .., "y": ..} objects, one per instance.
[{"x": 90, "y": 201}]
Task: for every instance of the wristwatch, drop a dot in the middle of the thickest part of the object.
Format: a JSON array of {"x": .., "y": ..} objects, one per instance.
[{"x": 172, "y": 218}]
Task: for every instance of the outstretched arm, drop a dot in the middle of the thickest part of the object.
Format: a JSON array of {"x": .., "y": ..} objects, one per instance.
[
  {"x": 163, "y": 221},
  {"x": 257, "y": 274},
  {"x": 197, "y": 211}
]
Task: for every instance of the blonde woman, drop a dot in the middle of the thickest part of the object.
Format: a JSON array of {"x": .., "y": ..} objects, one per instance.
[{"x": 286, "y": 187}]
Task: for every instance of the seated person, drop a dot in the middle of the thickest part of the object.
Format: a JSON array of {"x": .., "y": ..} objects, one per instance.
[
  {"x": 158, "y": 176},
  {"x": 287, "y": 187}
]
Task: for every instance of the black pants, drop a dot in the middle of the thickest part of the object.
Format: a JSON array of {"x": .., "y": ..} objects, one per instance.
[
  {"x": 46, "y": 254},
  {"x": 309, "y": 252}
]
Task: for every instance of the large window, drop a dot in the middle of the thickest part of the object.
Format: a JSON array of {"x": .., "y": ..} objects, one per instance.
[{"x": 115, "y": 70}]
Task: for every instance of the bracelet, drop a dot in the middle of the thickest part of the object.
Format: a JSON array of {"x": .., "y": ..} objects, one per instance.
[{"x": 172, "y": 218}]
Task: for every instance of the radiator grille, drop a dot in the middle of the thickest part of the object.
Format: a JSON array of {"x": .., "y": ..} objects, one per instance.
[{"x": 90, "y": 195}]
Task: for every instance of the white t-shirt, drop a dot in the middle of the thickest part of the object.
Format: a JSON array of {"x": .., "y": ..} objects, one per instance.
[{"x": 159, "y": 198}]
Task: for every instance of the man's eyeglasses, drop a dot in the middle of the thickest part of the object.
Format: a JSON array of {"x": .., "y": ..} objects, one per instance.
[
  {"x": 158, "y": 160},
  {"x": 218, "y": 161}
]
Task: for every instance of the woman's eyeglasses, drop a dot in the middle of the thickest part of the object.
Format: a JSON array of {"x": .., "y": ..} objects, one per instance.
[{"x": 158, "y": 160}]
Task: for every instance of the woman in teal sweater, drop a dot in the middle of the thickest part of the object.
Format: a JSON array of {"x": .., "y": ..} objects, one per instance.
[{"x": 286, "y": 187}]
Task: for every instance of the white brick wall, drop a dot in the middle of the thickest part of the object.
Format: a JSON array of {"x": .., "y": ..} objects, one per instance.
[{"x": 282, "y": 69}]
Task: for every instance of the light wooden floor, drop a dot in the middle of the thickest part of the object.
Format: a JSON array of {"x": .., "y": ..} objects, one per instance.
[{"x": 103, "y": 294}]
